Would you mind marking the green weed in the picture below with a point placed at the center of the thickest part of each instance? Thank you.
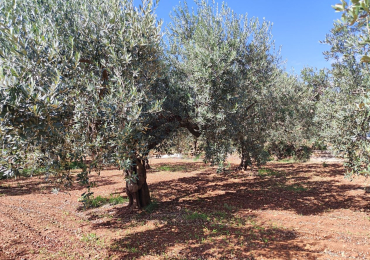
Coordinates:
(75, 165)
(152, 206)
(221, 214)
(172, 168)
(28, 172)
(228, 207)
(287, 160)
(90, 238)
(95, 202)
(197, 157)
(196, 215)
(293, 187)
(132, 250)
(269, 172)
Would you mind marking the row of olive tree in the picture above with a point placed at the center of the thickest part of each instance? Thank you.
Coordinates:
(94, 81)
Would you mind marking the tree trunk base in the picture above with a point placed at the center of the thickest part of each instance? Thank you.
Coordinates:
(144, 196)
(137, 189)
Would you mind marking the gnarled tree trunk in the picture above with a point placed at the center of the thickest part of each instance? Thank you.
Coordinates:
(136, 186)
(245, 160)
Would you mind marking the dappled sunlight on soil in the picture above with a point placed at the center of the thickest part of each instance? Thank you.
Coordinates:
(282, 211)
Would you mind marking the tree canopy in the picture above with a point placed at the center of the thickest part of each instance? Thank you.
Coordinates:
(342, 113)
(96, 82)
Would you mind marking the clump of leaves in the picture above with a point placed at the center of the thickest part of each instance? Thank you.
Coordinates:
(283, 150)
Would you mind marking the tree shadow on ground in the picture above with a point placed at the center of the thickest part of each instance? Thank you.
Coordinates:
(174, 232)
(40, 185)
(287, 190)
(205, 216)
(203, 239)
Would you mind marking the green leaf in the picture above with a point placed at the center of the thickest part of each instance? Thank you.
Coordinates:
(338, 7)
(14, 73)
(354, 14)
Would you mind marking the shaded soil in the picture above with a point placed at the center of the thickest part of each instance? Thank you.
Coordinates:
(285, 211)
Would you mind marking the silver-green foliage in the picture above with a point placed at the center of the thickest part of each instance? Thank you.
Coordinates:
(76, 79)
(343, 111)
(91, 79)
(228, 66)
(290, 114)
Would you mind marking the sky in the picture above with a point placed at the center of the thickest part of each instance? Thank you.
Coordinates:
(298, 26)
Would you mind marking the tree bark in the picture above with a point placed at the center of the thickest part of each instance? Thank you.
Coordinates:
(243, 164)
(136, 186)
(144, 195)
(245, 160)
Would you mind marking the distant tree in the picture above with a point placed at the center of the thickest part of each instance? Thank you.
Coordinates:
(291, 118)
(237, 90)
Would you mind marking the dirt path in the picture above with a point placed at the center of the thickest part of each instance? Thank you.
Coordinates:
(285, 211)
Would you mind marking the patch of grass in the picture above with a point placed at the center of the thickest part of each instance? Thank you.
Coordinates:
(197, 157)
(196, 215)
(152, 206)
(221, 214)
(264, 171)
(228, 207)
(28, 172)
(287, 160)
(293, 187)
(96, 202)
(240, 222)
(172, 168)
(269, 172)
(92, 239)
(114, 200)
(132, 250)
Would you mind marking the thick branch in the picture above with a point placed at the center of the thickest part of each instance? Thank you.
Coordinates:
(193, 128)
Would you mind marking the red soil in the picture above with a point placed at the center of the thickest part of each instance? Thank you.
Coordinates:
(298, 211)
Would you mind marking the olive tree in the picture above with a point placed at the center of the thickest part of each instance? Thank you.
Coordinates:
(342, 107)
(78, 81)
(290, 114)
(228, 65)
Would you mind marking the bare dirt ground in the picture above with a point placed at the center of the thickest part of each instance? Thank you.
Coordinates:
(292, 211)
